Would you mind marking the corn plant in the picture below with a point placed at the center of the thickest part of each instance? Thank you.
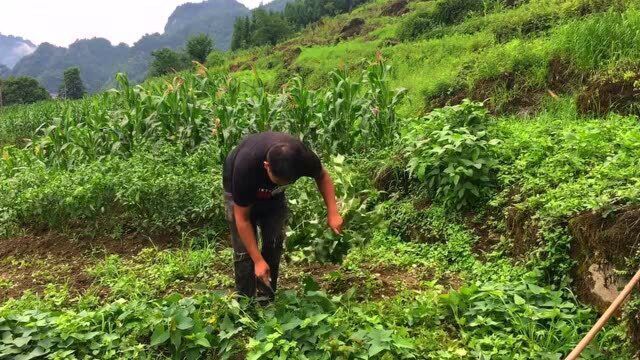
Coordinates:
(356, 112)
(382, 126)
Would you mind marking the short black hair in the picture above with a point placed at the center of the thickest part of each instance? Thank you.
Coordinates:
(286, 161)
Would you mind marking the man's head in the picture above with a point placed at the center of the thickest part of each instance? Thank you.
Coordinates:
(283, 163)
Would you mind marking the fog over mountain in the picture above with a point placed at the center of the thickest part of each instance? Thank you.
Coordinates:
(13, 48)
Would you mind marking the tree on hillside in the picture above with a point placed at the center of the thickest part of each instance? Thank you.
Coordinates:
(72, 86)
(300, 13)
(241, 38)
(199, 46)
(236, 38)
(270, 28)
(21, 90)
(166, 61)
(263, 28)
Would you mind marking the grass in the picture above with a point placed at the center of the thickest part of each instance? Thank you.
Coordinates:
(442, 60)
(602, 40)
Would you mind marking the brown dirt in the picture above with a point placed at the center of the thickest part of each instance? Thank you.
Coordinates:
(391, 179)
(613, 237)
(291, 54)
(601, 245)
(384, 281)
(242, 65)
(487, 235)
(374, 282)
(524, 100)
(562, 76)
(523, 231)
(58, 245)
(292, 274)
(603, 94)
(353, 28)
(396, 8)
(31, 262)
(452, 97)
(394, 279)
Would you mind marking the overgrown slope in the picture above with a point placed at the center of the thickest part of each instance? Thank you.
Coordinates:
(473, 230)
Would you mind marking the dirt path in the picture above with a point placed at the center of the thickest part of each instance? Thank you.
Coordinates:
(31, 263)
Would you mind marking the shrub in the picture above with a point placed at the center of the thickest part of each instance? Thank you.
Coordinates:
(416, 25)
(445, 12)
(452, 153)
(215, 58)
(496, 317)
(21, 90)
(448, 12)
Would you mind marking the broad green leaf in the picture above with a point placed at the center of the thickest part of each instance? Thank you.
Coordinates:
(160, 335)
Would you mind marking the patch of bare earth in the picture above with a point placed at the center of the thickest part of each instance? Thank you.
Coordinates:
(517, 96)
(32, 262)
(601, 245)
(603, 94)
(353, 28)
(488, 236)
(396, 8)
(371, 281)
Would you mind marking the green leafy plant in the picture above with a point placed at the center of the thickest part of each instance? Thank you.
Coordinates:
(495, 318)
(452, 153)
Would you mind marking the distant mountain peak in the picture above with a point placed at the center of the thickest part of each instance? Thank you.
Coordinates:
(99, 60)
(14, 48)
(191, 12)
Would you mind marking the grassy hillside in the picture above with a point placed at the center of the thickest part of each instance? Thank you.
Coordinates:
(485, 159)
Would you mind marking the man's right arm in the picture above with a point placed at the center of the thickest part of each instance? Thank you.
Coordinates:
(248, 238)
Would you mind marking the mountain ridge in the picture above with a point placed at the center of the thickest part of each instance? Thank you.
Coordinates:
(213, 17)
(13, 48)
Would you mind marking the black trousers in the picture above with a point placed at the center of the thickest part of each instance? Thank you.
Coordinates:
(269, 217)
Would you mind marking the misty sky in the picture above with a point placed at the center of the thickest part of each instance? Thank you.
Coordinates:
(61, 22)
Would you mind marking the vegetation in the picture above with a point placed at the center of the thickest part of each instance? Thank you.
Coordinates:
(198, 47)
(262, 28)
(72, 86)
(21, 90)
(99, 60)
(270, 28)
(301, 13)
(166, 61)
(477, 194)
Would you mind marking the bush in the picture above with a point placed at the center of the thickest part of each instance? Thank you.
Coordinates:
(497, 317)
(215, 58)
(415, 26)
(448, 12)
(445, 12)
(452, 154)
(21, 90)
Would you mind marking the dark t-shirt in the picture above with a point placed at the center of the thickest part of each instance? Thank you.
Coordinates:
(244, 175)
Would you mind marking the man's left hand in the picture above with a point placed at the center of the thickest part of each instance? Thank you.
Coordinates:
(335, 222)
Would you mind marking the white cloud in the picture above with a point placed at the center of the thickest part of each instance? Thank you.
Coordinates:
(23, 50)
(61, 22)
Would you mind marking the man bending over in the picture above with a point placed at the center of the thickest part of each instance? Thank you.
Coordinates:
(255, 175)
